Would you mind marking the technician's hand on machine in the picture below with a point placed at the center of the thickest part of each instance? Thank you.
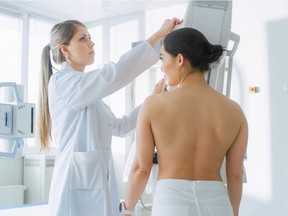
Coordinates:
(166, 28)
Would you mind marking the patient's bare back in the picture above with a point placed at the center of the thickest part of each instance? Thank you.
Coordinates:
(193, 128)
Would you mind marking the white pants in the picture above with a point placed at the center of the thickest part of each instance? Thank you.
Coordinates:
(191, 198)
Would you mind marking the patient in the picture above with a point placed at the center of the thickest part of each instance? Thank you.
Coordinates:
(193, 128)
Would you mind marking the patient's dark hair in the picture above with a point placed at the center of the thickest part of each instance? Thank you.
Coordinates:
(194, 46)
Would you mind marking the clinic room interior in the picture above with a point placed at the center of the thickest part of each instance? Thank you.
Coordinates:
(256, 78)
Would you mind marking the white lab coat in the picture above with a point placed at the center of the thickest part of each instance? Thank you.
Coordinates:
(83, 182)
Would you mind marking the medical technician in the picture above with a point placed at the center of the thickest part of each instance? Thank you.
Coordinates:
(193, 128)
(73, 114)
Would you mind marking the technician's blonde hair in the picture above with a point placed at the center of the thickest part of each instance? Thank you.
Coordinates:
(61, 34)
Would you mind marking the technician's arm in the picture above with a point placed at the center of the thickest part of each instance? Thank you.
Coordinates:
(127, 124)
(234, 167)
(81, 89)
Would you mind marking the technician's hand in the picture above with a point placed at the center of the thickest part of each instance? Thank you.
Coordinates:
(165, 29)
(167, 26)
(160, 87)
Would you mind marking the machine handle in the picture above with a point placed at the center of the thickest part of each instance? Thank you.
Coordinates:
(236, 39)
(18, 143)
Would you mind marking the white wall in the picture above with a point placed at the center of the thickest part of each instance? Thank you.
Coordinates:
(261, 61)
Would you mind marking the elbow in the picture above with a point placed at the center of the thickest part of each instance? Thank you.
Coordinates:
(235, 175)
(141, 172)
(237, 178)
(144, 175)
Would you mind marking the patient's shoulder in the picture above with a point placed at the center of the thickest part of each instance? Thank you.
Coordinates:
(236, 110)
(154, 103)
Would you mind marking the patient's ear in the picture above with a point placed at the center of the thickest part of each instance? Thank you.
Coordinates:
(180, 59)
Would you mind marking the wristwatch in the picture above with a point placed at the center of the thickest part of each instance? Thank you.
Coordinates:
(123, 210)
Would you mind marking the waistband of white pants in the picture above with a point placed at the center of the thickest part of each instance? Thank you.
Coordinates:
(200, 185)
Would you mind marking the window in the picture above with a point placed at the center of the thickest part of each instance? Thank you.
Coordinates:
(10, 48)
(96, 34)
(121, 42)
(38, 38)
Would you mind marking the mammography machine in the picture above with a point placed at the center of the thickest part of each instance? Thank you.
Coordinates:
(16, 120)
(213, 19)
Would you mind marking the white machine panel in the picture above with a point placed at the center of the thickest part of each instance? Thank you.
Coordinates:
(23, 120)
(16, 120)
(6, 127)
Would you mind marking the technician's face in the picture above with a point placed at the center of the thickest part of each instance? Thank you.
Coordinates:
(169, 67)
(80, 49)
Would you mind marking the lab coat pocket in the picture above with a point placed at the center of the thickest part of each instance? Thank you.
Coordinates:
(170, 210)
(220, 211)
(87, 170)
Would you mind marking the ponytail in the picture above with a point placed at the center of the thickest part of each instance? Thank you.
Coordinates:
(44, 123)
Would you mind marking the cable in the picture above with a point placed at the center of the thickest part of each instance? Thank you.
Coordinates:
(145, 207)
